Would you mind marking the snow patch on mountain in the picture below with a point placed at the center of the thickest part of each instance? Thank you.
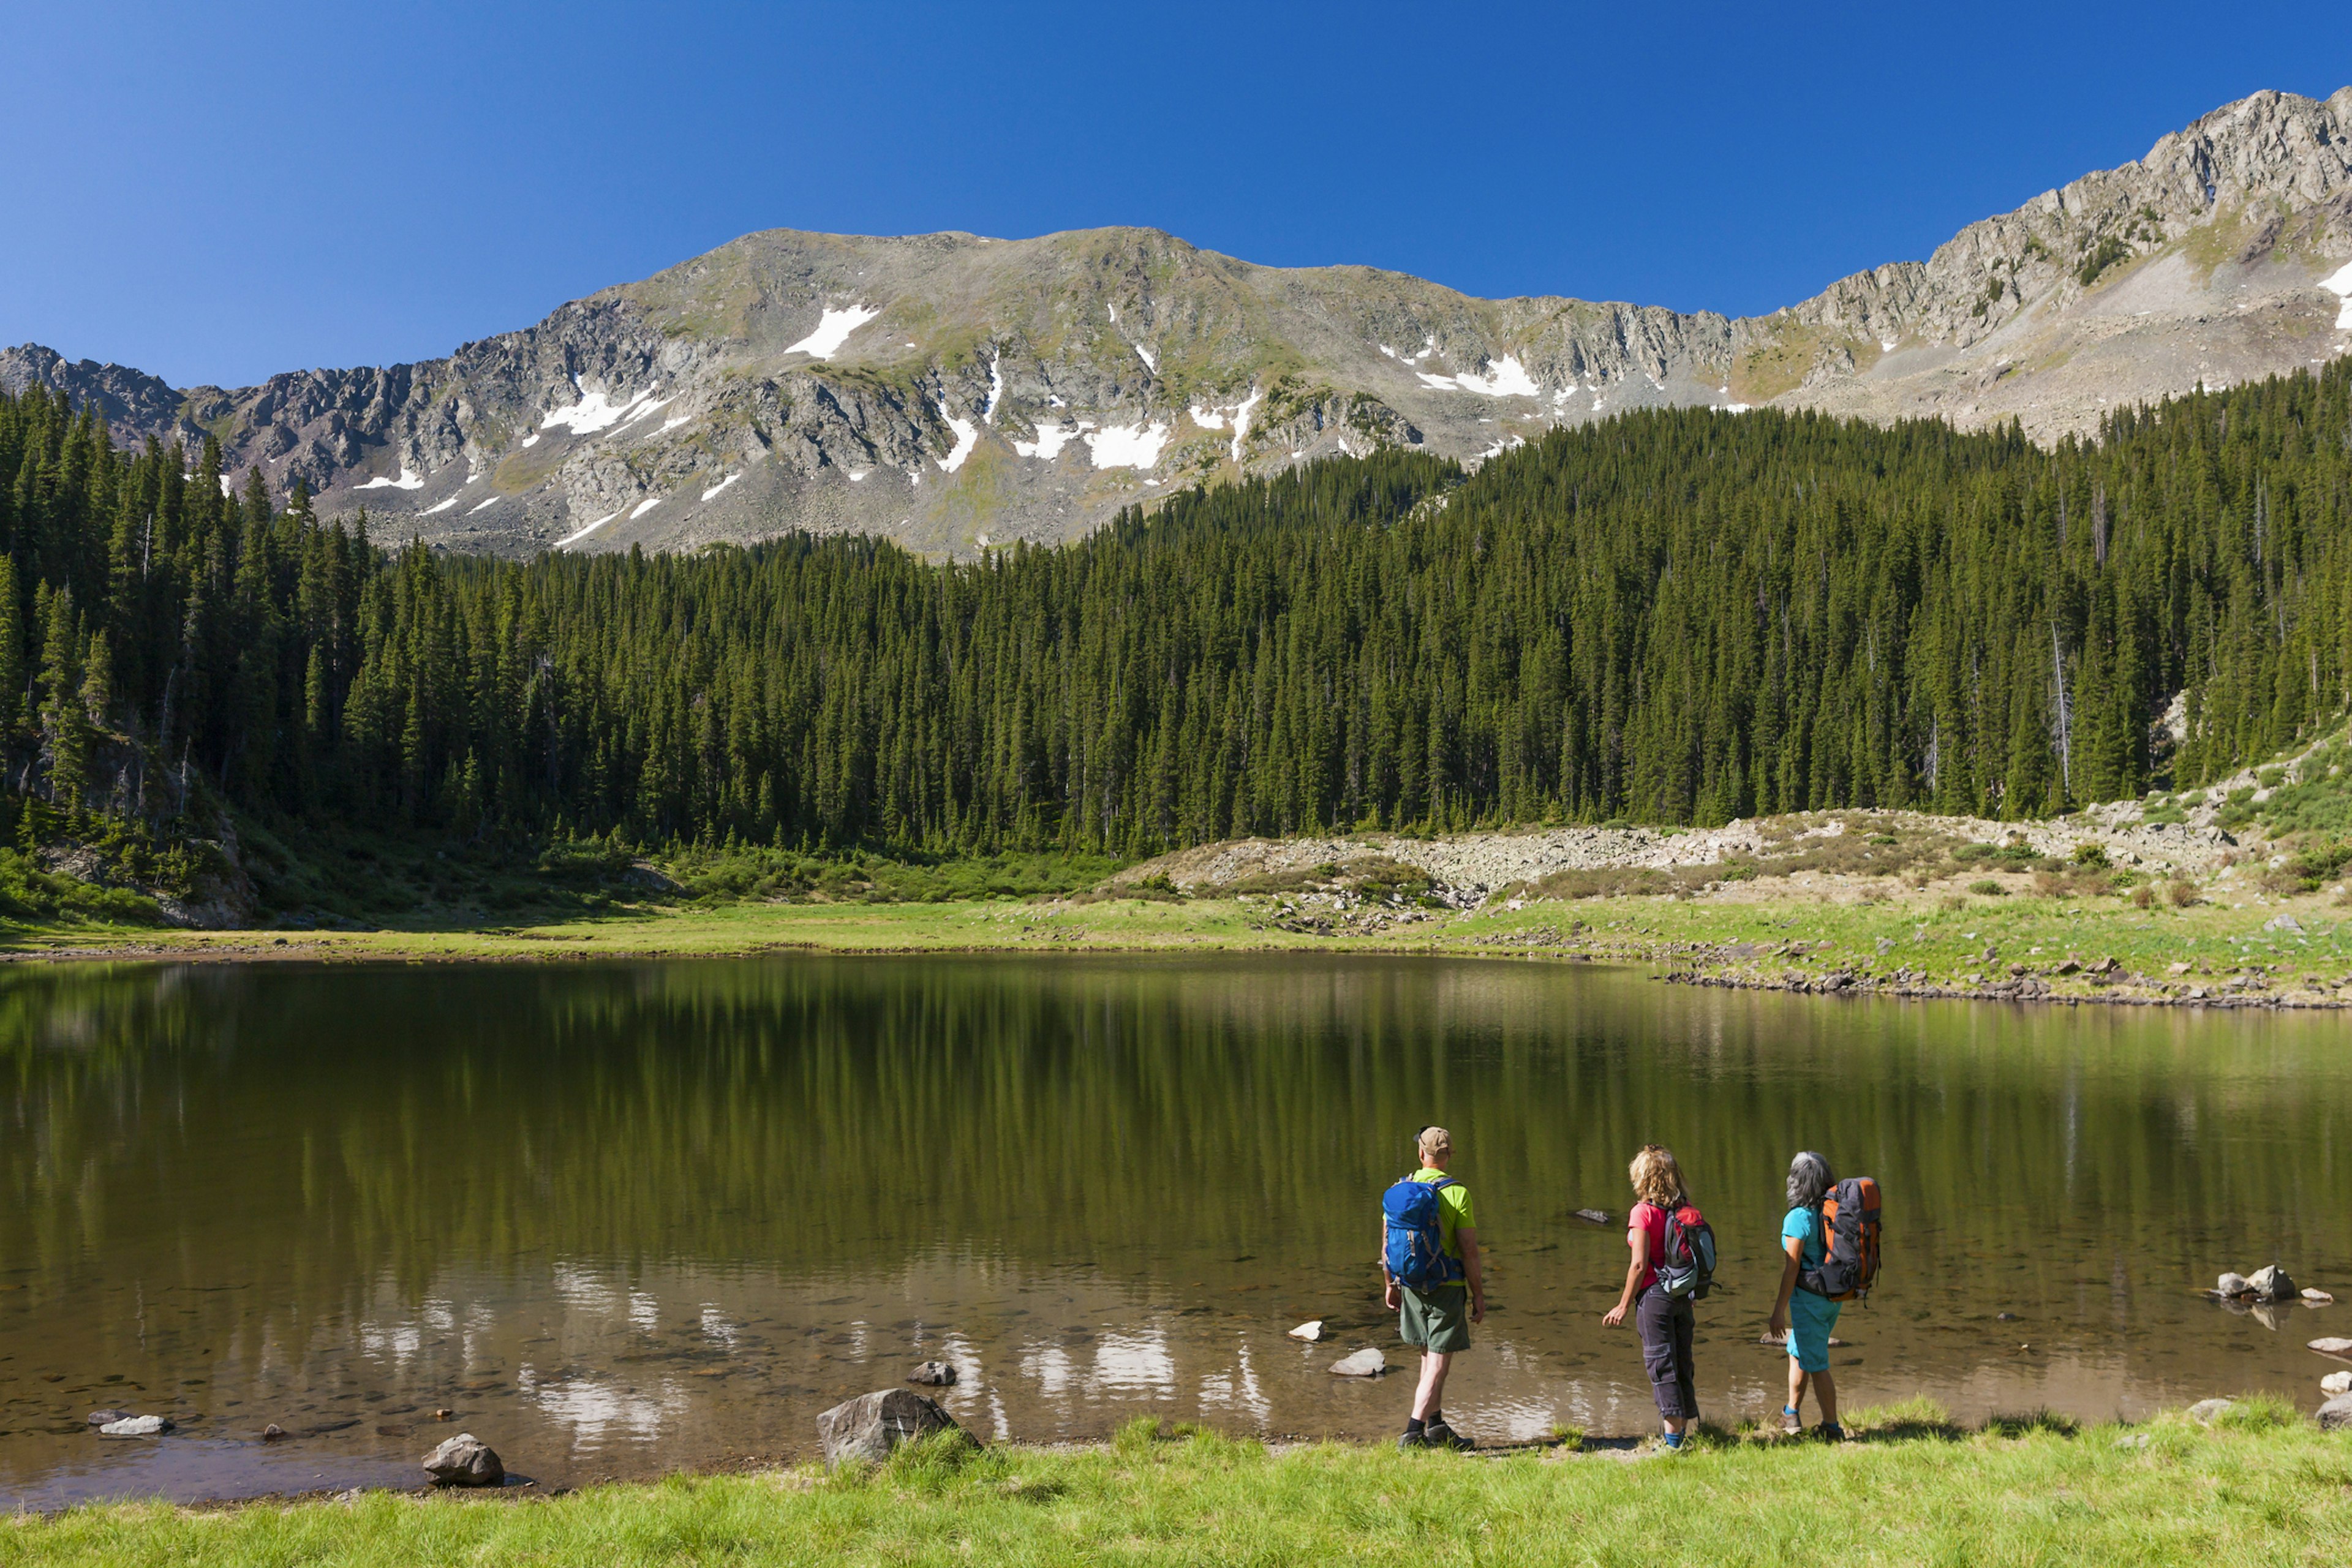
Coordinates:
(1050, 439)
(967, 437)
(1242, 420)
(569, 540)
(596, 411)
(1126, 445)
(2340, 285)
(833, 326)
(407, 481)
(721, 485)
(1507, 378)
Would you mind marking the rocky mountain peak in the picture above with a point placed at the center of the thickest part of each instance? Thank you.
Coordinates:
(956, 391)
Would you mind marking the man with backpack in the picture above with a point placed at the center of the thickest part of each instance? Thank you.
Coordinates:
(1429, 1261)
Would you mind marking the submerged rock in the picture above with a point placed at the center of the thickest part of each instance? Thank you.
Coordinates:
(1366, 1363)
(136, 1426)
(108, 1417)
(1594, 1217)
(273, 1433)
(465, 1460)
(870, 1426)
(933, 1374)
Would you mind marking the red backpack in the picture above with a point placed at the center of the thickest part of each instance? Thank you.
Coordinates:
(1685, 1266)
(1849, 1220)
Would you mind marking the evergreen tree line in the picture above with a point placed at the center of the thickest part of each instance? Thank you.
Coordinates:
(1673, 616)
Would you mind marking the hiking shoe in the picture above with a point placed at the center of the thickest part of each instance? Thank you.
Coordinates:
(1412, 1440)
(1444, 1436)
(1829, 1432)
(1790, 1422)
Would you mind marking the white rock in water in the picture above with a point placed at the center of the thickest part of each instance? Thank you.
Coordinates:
(2332, 1346)
(1365, 1363)
(2208, 1410)
(2317, 1298)
(1309, 1332)
(136, 1426)
(2337, 1382)
(2232, 1285)
(2271, 1283)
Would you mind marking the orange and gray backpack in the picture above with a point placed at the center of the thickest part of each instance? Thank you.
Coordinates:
(1850, 1223)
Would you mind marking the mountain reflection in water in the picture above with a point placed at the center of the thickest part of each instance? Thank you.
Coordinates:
(626, 1219)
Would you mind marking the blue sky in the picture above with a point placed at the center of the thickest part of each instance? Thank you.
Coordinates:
(215, 191)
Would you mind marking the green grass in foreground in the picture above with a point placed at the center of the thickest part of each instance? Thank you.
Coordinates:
(2265, 1487)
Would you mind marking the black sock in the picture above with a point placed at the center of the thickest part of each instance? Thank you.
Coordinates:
(1414, 1426)
(1435, 1418)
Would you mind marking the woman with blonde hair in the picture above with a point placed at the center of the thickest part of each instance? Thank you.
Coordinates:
(1665, 1322)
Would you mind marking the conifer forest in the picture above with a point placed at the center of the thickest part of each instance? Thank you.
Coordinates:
(1670, 617)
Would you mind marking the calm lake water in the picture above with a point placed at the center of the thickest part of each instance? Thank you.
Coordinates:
(633, 1218)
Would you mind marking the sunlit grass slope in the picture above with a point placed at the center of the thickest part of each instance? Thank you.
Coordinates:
(2262, 1487)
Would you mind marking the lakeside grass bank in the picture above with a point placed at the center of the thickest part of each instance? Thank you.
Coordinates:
(1789, 934)
(2263, 1485)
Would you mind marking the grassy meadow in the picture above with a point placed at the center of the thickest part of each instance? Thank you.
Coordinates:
(2262, 1486)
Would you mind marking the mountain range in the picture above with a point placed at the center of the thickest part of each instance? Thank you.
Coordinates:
(954, 392)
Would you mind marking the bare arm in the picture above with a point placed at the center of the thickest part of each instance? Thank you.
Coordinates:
(1389, 1295)
(1473, 1271)
(1638, 1244)
(1794, 1246)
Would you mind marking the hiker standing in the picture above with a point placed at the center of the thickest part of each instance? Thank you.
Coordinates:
(1669, 1269)
(1429, 1261)
(1807, 1315)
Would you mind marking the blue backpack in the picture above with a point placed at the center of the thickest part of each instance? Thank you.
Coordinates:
(1416, 1254)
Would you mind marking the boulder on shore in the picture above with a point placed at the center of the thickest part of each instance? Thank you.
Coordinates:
(2336, 1414)
(465, 1460)
(1366, 1363)
(933, 1374)
(870, 1426)
(2269, 1283)
(2337, 1382)
(2208, 1411)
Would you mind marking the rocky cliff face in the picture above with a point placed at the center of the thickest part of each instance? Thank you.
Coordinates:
(954, 392)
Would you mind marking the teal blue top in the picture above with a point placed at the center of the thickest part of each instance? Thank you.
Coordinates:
(1807, 1223)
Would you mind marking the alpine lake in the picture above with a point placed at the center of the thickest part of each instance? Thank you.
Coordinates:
(621, 1220)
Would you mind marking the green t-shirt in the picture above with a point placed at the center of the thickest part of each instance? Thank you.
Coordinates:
(1453, 1211)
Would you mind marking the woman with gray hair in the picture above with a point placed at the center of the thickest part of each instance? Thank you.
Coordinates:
(1807, 1318)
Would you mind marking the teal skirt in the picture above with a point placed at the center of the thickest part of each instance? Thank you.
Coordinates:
(1810, 1318)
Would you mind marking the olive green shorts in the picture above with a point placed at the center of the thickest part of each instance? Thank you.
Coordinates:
(1437, 1319)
